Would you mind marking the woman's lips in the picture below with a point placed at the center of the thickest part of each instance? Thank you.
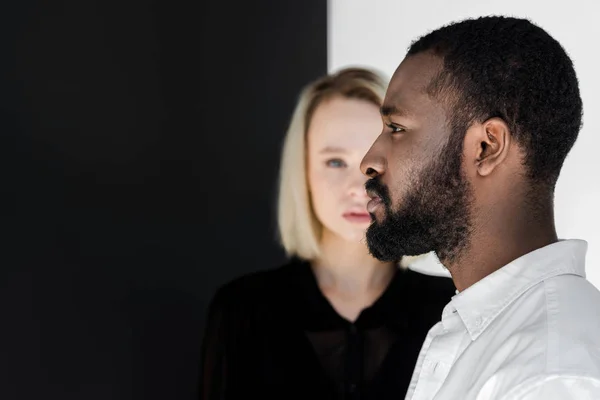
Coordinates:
(358, 217)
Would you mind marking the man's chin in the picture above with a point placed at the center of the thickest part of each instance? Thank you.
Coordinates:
(380, 244)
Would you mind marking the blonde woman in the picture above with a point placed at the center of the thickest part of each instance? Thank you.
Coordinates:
(333, 323)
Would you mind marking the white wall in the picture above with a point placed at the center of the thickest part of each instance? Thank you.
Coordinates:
(376, 33)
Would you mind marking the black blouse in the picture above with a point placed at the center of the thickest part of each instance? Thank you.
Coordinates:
(273, 333)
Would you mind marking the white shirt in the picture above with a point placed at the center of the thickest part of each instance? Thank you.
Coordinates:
(428, 264)
(530, 330)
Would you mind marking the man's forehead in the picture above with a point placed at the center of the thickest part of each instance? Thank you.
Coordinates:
(416, 71)
(411, 79)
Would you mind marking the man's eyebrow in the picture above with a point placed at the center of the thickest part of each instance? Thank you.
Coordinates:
(387, 111)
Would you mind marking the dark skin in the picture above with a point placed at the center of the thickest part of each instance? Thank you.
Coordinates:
(504, 224)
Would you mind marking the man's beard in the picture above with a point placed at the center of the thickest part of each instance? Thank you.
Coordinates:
(434, 215)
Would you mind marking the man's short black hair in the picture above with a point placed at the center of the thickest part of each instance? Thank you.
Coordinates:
(512, 69)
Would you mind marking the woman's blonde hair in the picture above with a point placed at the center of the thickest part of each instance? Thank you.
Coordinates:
(299, 228)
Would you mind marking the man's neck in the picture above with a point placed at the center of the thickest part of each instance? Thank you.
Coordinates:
(498, 239)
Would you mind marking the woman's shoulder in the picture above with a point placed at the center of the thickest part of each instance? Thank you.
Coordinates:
(261, 286)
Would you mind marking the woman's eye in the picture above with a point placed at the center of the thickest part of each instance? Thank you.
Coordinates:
(335, 163)
(395, 129)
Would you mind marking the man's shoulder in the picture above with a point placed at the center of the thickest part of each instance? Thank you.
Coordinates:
(570, 292)
(572, 311)
(545, 387)
(549, 337)
(565, 307)
(560, 319)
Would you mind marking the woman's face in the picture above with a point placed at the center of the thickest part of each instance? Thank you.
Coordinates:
(340, 134)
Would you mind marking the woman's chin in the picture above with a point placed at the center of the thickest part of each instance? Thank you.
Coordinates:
(357, 236)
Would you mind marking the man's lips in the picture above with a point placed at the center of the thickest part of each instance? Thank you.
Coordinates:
(373, 204)
(378, 193)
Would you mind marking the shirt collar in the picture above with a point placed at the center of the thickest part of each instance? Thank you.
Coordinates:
(482, 302)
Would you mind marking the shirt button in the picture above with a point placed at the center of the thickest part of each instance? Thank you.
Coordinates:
(478, 321)
(352, 388)
(352, 328)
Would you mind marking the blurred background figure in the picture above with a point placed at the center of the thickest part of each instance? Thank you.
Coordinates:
(333, 322)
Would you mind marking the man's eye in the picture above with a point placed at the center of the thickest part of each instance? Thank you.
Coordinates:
(395, 129)
(335, 163)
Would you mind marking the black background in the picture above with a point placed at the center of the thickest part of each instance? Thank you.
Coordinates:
(139, 151)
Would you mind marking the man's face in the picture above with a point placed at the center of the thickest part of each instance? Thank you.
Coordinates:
(421, 199)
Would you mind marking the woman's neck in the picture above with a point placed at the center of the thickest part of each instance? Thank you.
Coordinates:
(348, 268)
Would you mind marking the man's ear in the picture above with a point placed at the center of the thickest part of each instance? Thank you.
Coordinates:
(492, 141)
